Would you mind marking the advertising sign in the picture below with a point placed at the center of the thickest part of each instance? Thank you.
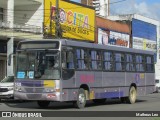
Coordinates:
(144, 44)
(143, 29)
(76, 21)
(113, 38)
(102, 37)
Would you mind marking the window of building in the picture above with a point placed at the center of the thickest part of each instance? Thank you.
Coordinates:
(119, 62)
(107, 61)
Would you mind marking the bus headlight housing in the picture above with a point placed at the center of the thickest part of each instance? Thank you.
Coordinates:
(49, 90)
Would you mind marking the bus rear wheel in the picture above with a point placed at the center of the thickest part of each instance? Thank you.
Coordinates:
(43, 104)
(132, 95)
(81, 99)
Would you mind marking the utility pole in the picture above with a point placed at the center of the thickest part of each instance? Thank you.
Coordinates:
(58, 30)
(108, 10)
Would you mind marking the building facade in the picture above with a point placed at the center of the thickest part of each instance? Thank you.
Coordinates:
(19, 20)
(101, 6)
(112, 33)
(144, 35)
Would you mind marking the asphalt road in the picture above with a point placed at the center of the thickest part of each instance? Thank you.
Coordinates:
(144, 103)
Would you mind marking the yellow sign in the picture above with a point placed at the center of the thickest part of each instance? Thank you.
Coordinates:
(76, 21)
(49, 83)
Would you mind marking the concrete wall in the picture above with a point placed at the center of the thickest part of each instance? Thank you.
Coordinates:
(29, 15)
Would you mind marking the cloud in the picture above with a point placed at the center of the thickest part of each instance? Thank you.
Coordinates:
(131, 6)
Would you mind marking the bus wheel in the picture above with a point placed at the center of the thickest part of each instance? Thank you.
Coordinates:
(43, 104)
(132, 95)
(99, 101)
(81, 99)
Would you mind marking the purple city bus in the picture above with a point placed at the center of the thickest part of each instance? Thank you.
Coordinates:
(66, 70)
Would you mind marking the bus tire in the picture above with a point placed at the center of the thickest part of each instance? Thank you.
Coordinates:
(99, 101)
(43, 104)
(132, 95)
(81, 99)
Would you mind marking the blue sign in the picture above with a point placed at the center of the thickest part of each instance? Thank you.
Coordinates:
(143, 29)
(21, 75)
(31, 74)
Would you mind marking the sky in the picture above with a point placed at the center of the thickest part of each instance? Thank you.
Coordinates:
(148, 8)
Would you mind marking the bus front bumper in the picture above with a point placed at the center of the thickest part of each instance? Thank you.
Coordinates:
(37, 96)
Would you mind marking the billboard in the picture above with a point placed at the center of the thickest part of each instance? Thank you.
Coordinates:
(144, 35)
(143, 29)
(76, 21)
(144, 44)
(113, 38)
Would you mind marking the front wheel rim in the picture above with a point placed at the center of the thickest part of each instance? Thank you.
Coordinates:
(81, 98)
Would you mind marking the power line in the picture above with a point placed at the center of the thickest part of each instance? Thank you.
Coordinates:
(60, 8)
(117, 1)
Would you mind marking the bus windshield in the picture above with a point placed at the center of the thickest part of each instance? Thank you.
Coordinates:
(38, 64)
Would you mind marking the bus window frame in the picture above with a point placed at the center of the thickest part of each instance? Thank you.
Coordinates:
(96, 60)
(122, 62)
(143, 63)
(112, 61)
(65, 70)
(152, 63)
(87, 50)
(133, 62)
(76, 62)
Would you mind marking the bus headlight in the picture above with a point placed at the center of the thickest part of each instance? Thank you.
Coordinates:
(49, 90)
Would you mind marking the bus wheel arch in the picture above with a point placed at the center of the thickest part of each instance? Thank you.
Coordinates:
(86, 89)
(132, 93)
(82, 96)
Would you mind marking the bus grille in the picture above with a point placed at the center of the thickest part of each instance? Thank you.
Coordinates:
(34, 90)
(34, 96)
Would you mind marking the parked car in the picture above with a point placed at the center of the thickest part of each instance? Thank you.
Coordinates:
(157, 85)
(6, 88)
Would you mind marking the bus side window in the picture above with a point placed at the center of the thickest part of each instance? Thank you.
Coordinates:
(67, 63)
(130, 66)
(70, 61)
(149, 64)
(64, 59)
(67, 60)
(140, 63)
(119, 62)
(81, 59)
(108, 61)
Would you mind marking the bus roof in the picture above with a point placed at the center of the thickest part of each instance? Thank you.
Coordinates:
(93, 45)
